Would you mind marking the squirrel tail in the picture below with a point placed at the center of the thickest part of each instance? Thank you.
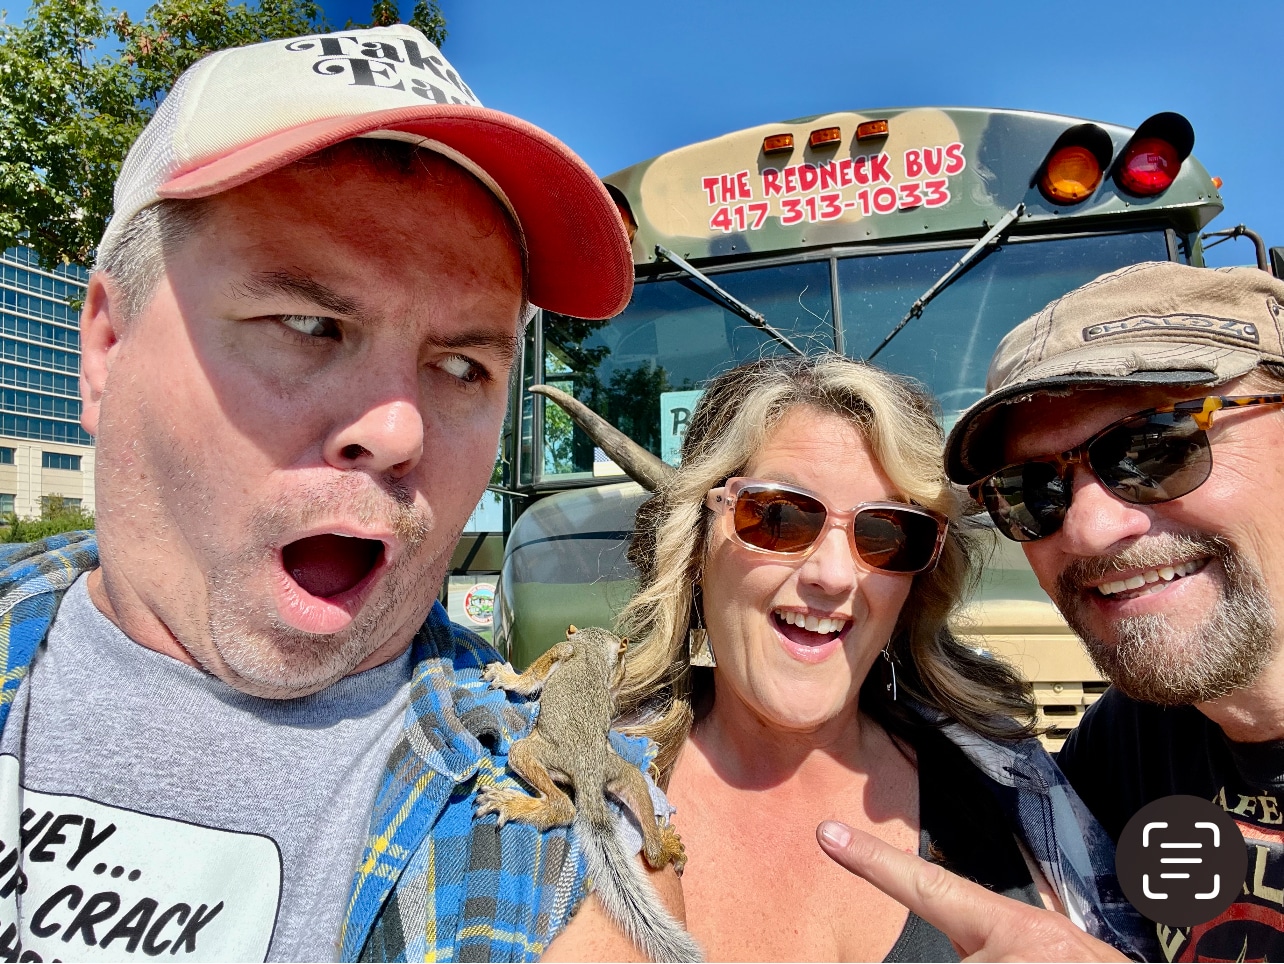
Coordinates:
(628, 897)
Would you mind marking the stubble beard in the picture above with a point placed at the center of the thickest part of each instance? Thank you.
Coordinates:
(1154, 659)
(277, 660)
(143, 474)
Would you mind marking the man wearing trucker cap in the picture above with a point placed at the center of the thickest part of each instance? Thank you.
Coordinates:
(1133, 441)
(236, 725)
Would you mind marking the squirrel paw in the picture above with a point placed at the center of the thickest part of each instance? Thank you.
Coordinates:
(500, 676)
(515, 805)
(668, 849)
(499, 800)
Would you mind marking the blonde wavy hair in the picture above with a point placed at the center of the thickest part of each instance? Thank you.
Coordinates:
(734, 418)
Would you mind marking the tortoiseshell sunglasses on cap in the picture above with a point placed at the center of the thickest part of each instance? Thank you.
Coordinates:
(1153, 456)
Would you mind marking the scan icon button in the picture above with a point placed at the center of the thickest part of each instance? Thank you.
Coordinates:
(1181, 860)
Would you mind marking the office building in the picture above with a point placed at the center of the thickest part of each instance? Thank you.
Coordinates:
(43, 450)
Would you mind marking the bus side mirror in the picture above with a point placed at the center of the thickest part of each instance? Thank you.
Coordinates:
(1277, 262)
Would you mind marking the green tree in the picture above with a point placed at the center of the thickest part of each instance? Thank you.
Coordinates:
(175, 34)
(56, 515)
(67, 118)
(426, 17)
(78, 83)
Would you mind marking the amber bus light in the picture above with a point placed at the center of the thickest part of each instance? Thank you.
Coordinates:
(825, 137)
(1071, 175)
(870, 129)
(777, 143)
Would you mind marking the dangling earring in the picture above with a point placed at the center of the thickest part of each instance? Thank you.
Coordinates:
(891, 687)
(699, 652)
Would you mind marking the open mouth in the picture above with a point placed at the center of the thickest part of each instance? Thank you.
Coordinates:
(1149, 581)
(808, 630)
(330, 565)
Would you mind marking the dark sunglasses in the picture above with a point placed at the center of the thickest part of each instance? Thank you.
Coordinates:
(1154, 456)
(785, 520)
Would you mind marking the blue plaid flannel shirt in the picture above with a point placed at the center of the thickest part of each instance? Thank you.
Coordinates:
(434, 882)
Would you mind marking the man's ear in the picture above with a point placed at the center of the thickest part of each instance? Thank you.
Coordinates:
(101, 321)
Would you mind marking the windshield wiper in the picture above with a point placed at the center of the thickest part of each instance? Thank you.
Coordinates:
(989, 241)
(705, 286)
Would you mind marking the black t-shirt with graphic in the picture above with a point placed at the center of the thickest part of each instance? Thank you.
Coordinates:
(1125, 754)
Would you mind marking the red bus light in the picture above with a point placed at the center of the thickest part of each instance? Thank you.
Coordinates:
(1148, 167)
(1070, 175)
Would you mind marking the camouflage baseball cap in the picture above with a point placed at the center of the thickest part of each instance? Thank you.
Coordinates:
(1157, 323)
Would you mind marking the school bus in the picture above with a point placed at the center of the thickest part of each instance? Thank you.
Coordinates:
(913, 237)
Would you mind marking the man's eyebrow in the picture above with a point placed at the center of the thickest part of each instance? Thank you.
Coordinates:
(506, 346)
(268, 283)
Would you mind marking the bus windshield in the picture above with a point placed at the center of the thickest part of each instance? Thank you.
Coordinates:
(644, 369)
(948, 349)
(672, 339)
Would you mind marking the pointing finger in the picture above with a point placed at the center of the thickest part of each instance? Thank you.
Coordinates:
(953, 905)
(981, 924)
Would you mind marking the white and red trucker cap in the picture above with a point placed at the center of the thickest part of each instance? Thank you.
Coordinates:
(241, 113)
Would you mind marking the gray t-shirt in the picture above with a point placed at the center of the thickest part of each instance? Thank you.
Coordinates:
(165, 813)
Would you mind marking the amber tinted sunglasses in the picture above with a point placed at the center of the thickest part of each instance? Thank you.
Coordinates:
(788, 521)
(1154, 456)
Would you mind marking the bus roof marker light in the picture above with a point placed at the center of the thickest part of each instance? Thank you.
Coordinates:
(871, 129)
(825, 137)
(1153, 156)
(777, 143)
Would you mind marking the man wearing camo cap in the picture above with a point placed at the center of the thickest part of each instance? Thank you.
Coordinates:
(236, 724)
(1133, 441)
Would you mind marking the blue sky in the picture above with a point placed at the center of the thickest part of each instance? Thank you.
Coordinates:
(621, 82)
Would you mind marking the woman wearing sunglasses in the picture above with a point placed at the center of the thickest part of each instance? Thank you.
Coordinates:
(791, 659)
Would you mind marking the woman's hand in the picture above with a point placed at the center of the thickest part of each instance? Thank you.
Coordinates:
(983, 926)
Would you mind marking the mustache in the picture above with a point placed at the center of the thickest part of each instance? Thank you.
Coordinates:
(1158, 550)
(390, 506)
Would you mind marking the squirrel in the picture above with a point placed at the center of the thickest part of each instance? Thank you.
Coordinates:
(576, 680)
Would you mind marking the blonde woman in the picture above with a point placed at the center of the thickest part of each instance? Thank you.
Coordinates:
(810, 549)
